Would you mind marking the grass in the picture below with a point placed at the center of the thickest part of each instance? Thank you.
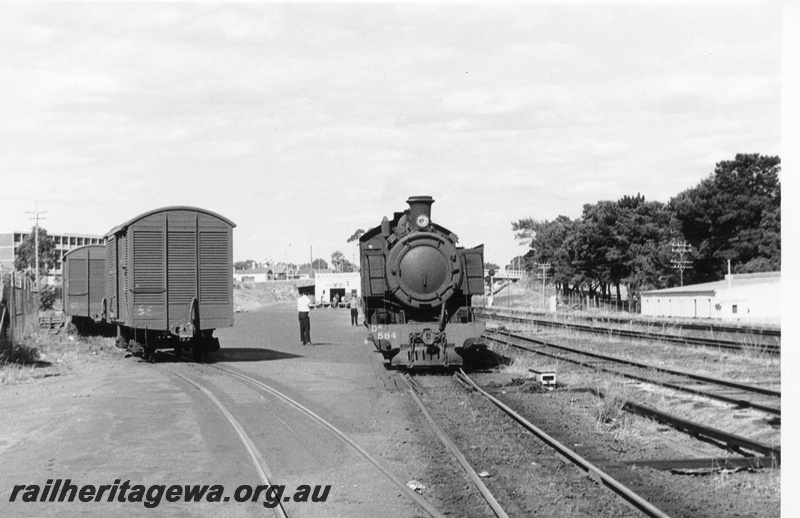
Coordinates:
(764, 483)
(52, 352)
(520, 365)
(608, 410)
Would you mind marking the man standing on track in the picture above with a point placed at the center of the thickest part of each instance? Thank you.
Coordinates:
(305, 323)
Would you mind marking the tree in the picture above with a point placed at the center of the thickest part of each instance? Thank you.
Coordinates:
(356, 235)
(551, 242)
(48, 296)
(337, 260)
(26, 252)
(244, 265)
(517, 263)
(348, 266)
(613, 243)
(319, 264)
(734, 214)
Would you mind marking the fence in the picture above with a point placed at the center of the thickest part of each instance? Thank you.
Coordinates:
(577, 301)
(19, 314)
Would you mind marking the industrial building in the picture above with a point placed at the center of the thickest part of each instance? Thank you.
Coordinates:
(344, 285)
(752, 297)
(9, 242)
(327, 284)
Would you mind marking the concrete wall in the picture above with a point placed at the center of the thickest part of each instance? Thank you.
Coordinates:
(679, 305)
(756, 302)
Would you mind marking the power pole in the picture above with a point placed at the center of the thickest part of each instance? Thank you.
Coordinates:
(681, 248)
(36, 217)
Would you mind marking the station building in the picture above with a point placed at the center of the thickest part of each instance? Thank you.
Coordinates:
(10, 242)
(752, 297)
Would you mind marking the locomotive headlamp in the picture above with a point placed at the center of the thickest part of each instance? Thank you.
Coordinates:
(423, 220)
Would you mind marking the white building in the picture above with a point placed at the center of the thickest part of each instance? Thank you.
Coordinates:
(253, 275)
(754, 297)
(345, 285)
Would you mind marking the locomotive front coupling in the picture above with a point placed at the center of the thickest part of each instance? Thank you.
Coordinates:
(431, 341)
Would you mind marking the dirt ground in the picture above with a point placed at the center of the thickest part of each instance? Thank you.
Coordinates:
(106, 417)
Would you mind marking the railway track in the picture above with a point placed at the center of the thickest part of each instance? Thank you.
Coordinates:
(716, 328)
(497, 509)
(592, 470)
(639, 335)
(746, 395)
(739, 394)
(255, 455)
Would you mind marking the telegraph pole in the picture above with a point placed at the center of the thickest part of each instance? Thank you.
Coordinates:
(36, 217)
(681, 248)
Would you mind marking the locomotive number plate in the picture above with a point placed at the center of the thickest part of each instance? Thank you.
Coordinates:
(383, 335)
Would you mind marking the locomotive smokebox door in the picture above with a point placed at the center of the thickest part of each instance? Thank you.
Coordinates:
(424, 269)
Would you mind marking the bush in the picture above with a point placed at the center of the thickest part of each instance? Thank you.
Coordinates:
(48, 296)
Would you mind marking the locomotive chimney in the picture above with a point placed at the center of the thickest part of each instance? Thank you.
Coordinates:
(420, 207)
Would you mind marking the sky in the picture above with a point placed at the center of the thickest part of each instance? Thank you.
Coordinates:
(305, 122)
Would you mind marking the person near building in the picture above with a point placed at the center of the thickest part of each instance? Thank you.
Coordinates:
(303, 307)
(354, 310)
(335, 302)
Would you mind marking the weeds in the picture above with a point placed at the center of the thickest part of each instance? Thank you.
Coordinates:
(765, 482)
(520, 365)
(614, 393)
(45, 351)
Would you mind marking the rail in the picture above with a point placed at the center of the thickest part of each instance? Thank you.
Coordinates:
(487, 495)
(731, 440)
(641, 335)
(593, 471)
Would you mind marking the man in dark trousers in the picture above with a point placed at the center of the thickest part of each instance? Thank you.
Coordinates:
(354, 310)
(303, 303)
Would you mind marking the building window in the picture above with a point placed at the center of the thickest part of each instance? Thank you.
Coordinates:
(734, 309)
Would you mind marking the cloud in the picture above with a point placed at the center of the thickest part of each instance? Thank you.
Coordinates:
(312, 119)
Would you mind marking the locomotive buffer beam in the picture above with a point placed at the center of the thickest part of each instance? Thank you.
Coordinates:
(423, 345)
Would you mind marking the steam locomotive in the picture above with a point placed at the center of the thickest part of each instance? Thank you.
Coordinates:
(417, 287)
